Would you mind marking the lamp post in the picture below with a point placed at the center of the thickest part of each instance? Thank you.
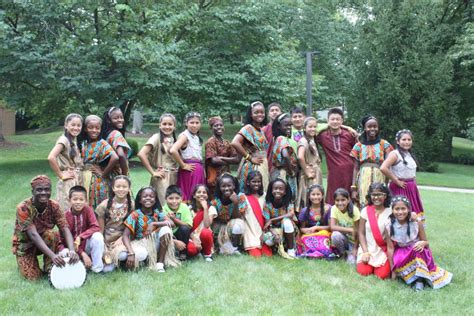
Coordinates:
(309, 81)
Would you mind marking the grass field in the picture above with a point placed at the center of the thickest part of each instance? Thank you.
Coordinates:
(235, 285)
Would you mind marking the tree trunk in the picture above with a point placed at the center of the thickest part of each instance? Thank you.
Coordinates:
(2, 138)
(231, 119)
(126, 108)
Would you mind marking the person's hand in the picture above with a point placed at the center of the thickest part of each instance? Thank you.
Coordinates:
(365, 257)
(149, 230)
(394, 275)
(203, 202)
(96, 170)
(159, 172)
(419, 246)
(354, 195)
(188, 167)
(179, 245)
(401, 184)
(256, 160)
(267, 224)
(234, 198)
(414, 216)
(171, 215)
(306, 230)
(58, 260)
(309, 172)
(86, 259)
(130, 261)
(67, 174)
(73, 257)
(77, 243)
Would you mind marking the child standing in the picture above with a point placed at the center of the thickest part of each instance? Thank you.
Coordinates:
(189, 144)
(219, 153)
(111, 214)
(85, 230)
(254, 220)
(148, 234)
(228, 227)
(297, 120)
(156, 158)
(309, 160)
(251, 144)
(113, 132)
(368, 153)
(274, 110)
(279, 212)
(202, 239)
(344, 224)
(181, 216)
(284, 159)
(372, 256)
(408, 252)
(96, 152)
(400, 166)
(65, 159)
(314, 220)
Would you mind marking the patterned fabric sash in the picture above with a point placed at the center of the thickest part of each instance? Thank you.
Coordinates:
(375, 228)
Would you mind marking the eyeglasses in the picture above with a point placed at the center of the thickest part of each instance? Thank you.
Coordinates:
(378, 194)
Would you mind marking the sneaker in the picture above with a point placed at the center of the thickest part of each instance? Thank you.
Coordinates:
(351, 259)
(160, 267)
(208, 258)
(292, 253)
(419, 286)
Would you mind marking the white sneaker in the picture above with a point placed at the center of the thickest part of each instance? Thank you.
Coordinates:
(292, 253)
(208, 258)
(160, 267)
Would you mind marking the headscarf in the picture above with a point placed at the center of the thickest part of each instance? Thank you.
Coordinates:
(40, 180)
(213, 120)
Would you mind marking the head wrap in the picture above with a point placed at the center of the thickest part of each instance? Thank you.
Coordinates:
(213, 120)
(40, 180)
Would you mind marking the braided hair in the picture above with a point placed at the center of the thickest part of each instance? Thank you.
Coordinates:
(395, 199)
(306, 122)
(401, 151)
(112, 196)
(191, 115)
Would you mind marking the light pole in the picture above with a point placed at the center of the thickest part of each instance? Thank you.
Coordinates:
(309, 81)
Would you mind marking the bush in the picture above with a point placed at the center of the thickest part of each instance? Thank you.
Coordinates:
(134, 145)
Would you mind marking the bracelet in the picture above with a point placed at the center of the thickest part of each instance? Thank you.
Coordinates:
(130, 254)
(354, 187)
(247, 156)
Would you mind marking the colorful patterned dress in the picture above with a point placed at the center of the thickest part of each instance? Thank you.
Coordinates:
(313, 166)
(215, 147)
(66, 162)
(370, 158)
(116, 140)
(255, 143)
(278, 170)
(411, 265)
(97, 186)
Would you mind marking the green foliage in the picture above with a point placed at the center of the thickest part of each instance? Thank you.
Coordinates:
(134, 145)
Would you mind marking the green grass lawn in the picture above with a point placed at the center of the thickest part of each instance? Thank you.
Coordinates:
(235, 285)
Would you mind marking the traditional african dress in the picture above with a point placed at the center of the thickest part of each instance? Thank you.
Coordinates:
(411, 265)
(256, 144)
(215, 147)
(313, 167)
(278, 162)
(160, 158)
(97, 187)
(370, 158)
(116, 140)
(66, 162)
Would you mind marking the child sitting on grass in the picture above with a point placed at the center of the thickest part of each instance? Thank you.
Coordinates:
(85, 230)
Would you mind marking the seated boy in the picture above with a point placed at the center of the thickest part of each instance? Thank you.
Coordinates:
(181, 216)
(85, 230)
(34, 235)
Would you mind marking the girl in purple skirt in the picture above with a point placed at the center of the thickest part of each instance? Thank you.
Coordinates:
(408, 250)
(187, 152)
(400, 166)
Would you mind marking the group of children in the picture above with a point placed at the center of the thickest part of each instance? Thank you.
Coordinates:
(194, 205)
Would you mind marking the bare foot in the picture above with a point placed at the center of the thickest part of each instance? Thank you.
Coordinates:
(86, 259)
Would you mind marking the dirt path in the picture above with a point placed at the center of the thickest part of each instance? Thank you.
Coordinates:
(445, 189)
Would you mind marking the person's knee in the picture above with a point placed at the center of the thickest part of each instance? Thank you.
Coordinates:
(288, 227)
(97, 239)
(364, 269)
(165, 230)
(383, 272)
(141, 253)
(238, 227)
(206, 234)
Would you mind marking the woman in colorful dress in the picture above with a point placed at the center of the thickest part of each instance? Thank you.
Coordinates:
(219, 154)
(252, 145)
(99, 161)
(309, 160)
(156, 158)
(66, 161)
(113, 132)
(369, 154)
(284, 159)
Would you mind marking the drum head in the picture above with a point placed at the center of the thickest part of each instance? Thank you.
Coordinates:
(70, 276)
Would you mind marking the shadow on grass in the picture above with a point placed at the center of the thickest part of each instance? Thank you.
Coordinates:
(23, 167)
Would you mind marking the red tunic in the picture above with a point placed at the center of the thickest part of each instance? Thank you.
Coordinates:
(339, 162)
